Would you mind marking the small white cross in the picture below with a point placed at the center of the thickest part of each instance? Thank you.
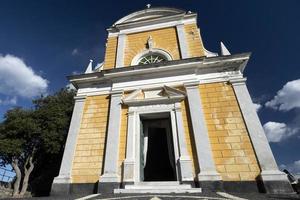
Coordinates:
(148, 5)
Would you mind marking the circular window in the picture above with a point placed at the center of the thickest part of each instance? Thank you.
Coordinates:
(152, 58)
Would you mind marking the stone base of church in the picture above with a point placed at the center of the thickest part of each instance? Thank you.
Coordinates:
(61, 185)
(64, 189)
(211, 186)
(275, 182)
(107, 187)
(241, 186)
(270, 187)
(60, 189)
(277, 187)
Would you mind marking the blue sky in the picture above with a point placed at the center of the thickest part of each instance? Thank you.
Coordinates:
(41, 42)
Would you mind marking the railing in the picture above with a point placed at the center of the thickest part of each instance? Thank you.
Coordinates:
(6, 175)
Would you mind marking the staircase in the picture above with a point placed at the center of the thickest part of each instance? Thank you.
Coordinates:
(158, 188)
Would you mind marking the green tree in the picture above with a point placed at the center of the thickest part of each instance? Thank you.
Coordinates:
(53, 113)
(27, 137)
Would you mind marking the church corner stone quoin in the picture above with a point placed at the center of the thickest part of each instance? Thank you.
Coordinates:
(162, 113)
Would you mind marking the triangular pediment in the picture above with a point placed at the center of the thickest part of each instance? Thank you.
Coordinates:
(165, 94)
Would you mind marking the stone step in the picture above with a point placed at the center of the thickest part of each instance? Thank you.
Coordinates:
(158, 183)
(157, 191)
(140, 187)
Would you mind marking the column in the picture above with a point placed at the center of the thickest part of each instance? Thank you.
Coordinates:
(61, 183)
(204, 153)
(274, 180)
(110, 174)
(185, 161)
(182, 41)
(120, 50)
(129, 161)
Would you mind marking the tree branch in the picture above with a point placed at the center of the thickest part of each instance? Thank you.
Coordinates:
(27, 172)
(15, 165)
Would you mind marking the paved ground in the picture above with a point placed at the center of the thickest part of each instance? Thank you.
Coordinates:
(204, 196)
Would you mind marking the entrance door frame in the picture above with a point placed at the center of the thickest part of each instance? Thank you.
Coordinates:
(164, 123)
(155, 110)
(131, 165)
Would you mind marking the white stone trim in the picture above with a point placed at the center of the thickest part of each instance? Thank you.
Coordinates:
(138, 57)
(138, 15)
(120, 50)
(131, 163)
(150, 27)
(110, 173)
(182, 41)
(172, 81)
(203, 69)
(151, 109)
(267, 162)
(204, 152)
(185, 161)
(173, 95)
(69, 152)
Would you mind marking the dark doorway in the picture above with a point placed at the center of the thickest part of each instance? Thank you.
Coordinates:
(160, 161)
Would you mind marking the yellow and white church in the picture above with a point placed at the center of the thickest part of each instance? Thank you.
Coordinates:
(162, 114)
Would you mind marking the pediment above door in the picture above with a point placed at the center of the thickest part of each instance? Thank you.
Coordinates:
(164, 95)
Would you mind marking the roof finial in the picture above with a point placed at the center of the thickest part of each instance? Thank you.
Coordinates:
(148, 5)
(224, 50)
(89, 68)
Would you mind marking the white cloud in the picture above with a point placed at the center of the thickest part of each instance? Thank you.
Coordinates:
(9, 101)
(75, 52)
(277, 132)
(292, 167)
(287, 98)
(75, 72)
(257, 106)
(18, 79)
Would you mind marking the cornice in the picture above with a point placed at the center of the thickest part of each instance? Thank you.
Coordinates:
(198, 65)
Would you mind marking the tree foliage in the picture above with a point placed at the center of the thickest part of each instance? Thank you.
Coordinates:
(29, 136)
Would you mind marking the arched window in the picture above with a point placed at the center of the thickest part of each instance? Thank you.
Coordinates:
(151, 58)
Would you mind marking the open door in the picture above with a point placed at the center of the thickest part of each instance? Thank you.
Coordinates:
(157, 160)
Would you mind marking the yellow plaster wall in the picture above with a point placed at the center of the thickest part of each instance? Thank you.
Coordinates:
(165, 39)
(110, 53)
(88, 159)
(194, 41)
(123, 138)
(189, 137)
(232, 149)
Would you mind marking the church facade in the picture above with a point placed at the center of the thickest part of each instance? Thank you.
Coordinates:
(163, 114)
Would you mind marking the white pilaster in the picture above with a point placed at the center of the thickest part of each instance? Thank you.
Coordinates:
(269, 169)
(112, 142)
(182, 41)
(204, 153)
(67, 161)
(185, 161)
(130, 161)
(120, 50)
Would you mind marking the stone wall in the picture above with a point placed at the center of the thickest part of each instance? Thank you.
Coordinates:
(194, 41)
(110, 53)
(189, 136)
(165, 39)
(123, 138)
(232, 149)
(88, 159)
